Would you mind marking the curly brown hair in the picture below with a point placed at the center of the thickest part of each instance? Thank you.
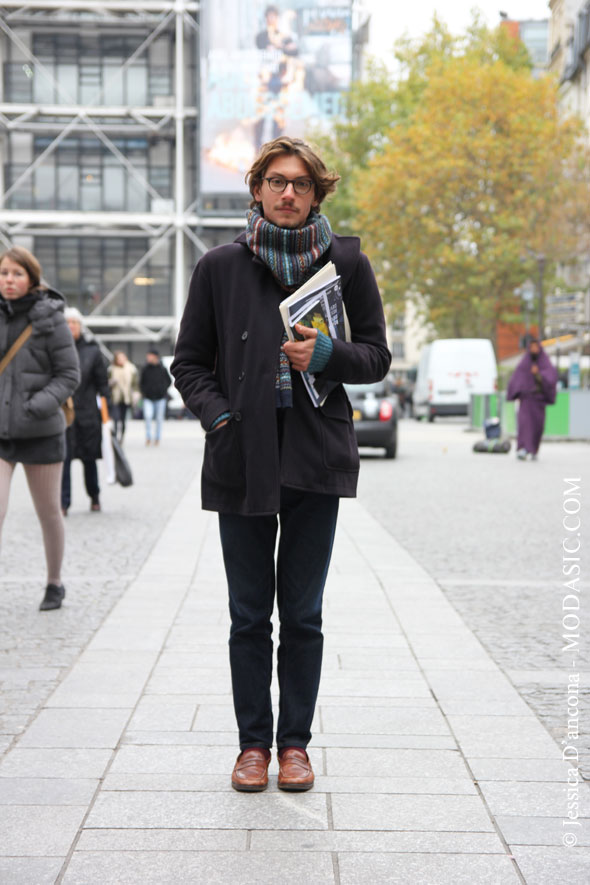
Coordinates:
(27, 261)
(324, 181)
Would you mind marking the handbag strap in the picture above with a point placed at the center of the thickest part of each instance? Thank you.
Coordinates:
(12, 351)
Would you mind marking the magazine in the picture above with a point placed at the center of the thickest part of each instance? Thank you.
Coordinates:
(317, 304)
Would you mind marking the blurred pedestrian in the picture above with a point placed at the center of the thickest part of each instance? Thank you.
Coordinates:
(123, 381)
(275, 466)
(84, 436)
(41, 374)
(534, 384)
(154, 384)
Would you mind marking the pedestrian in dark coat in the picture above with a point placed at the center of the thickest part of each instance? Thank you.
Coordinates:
(271, 457)
(154, 382)
(42, 374)
(534, 384)
(84, 436)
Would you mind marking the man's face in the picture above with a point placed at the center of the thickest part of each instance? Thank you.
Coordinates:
(287, 209)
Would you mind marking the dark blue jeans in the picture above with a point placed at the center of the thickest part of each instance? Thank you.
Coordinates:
(307, 527)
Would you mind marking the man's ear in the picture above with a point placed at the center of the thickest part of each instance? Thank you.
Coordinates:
(256, 193)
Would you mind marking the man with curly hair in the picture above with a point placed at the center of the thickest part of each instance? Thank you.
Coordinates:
(273, 463)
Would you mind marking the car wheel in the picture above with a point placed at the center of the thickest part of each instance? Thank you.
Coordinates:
(391, 449)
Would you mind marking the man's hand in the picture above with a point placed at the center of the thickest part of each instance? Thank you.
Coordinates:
(299, 353)
(535, 369)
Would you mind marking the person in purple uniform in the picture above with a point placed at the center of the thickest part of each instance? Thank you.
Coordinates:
(534, 383)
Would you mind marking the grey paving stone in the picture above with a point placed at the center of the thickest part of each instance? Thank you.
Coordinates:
(46, 791)
(88, 729)
(554, 866)
(189, 682)
(515, 706)
(391, 741)
(214, 868)
(181, 738)
(163, 840)
(535, 799)
(503, 736)
(209, 810)
(198, 783)
(519, 770)
(344, 684)
(540, 830)
(382, 720)
(150, 637)
(410, 812)
(402, 763)
(344, 640)
(186, 760)
(55, 763)
(399, 842)
(40, 830)
(164, 713)
(424, 703)
(374, 869)
(378, 784)
(29, 870)
(190, 660)
(431, 663)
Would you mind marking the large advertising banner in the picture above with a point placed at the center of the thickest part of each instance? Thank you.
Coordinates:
(267, 70)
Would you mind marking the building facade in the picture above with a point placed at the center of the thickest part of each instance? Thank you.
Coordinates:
(100, 174)
(569, 53)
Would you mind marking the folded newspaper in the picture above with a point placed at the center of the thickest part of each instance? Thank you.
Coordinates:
(317, 304)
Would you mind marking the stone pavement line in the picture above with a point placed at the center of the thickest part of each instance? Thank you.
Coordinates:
(50, 777)
(129, 780)
(516, 764)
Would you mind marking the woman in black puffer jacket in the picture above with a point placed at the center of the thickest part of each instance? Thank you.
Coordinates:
(39, 378)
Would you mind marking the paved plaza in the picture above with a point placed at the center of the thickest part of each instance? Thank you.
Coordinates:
(118, 734)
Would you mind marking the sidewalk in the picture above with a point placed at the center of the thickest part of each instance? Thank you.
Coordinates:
(429, 766)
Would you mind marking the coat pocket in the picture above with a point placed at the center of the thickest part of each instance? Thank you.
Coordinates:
(339, 447)
(222, 462)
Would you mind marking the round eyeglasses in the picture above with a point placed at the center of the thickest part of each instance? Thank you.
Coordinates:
(277, 184)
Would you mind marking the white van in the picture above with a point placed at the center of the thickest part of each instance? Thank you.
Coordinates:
(450, 370)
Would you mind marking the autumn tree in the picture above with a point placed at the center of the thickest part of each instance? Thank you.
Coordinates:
(456, 171)
(462, 196)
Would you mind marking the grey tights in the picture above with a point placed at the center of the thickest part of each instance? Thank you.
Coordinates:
(45, 486)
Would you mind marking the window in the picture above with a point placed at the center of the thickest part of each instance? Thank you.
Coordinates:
(86, 269)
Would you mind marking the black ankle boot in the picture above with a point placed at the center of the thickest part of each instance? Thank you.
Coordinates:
(54, 593)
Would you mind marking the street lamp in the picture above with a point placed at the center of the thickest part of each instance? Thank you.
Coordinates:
(527, 293)
(540, 259)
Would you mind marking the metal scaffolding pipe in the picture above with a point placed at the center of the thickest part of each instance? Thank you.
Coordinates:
(179, 198)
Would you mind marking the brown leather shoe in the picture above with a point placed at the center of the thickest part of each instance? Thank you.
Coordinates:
(250, 772)
(295, 771)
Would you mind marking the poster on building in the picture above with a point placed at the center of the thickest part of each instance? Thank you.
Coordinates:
(267, 70)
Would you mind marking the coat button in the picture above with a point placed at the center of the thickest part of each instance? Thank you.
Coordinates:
(244, 336)
(237, 416)
(241, 376)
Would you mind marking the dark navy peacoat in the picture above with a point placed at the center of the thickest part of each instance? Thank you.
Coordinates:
(226, 360)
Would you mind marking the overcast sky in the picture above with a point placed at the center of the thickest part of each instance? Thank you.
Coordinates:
(390, 19)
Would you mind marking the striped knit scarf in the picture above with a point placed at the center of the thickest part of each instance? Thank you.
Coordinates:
(292, 256)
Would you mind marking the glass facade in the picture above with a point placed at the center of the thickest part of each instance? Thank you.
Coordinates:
(124, 73)
(83, 174)
(87, 69)
(85, 269)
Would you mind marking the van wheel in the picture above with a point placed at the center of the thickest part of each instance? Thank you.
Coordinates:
(431, 417)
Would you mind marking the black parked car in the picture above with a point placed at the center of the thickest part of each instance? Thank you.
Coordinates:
(375, 410)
